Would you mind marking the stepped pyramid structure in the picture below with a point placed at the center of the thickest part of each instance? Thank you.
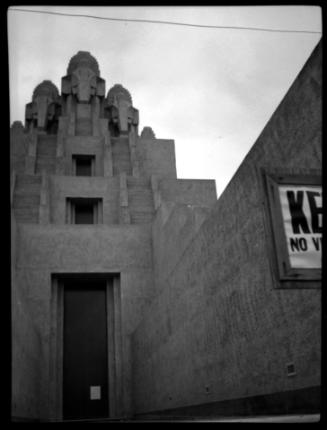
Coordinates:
(140, 296)
(85, 190)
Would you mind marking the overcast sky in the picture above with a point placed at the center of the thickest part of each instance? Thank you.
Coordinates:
(211, 90)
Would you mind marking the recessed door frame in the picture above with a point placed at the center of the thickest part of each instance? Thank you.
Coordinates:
(114, 344)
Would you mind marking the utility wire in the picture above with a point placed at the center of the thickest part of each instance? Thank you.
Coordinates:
(167, 22)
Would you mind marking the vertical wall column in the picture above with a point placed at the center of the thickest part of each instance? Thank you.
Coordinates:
(124, 215)
(71, 116)
(118, 346)
(30, 160)
(56, 351)
(107, 149)
(127, 375)
(44, 200)
(115, 350)
(132, 149)
(155, 191)
(95, 115)
(62, 132)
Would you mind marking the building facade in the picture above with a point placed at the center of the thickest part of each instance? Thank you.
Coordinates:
(137, 293)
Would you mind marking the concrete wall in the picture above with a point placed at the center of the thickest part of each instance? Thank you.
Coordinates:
(61, 187)
(18, 147)
(156, 157)
(25, 355)
(220, 329)
(86, 145)
(174, 227)
(43, 250)
(188, 191)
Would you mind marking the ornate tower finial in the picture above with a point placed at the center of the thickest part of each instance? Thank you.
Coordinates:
(17, 126)
(46, 88)
(147, 133)
(83, 79)
(121, 113)
(42, 113)
(83, 59)
(118, 92)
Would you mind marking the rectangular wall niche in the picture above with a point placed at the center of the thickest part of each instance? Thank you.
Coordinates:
(83, 165)
(295, 210)
(82, 210)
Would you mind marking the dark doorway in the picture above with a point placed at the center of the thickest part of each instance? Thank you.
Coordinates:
(85, 361)
(84, 210)
(83, 165)
(84, 213)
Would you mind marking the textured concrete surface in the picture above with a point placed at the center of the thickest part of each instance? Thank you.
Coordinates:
(220, 329)
(18, 147)
(87, 145)
(156, 157)
(25, 355)
(26, 199)
(174, 227)
(62, 187)
(188, 191)
(44, 250)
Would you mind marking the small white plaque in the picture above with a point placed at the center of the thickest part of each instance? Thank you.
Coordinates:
(95, 392)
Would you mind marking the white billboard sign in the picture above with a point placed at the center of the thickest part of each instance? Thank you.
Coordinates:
(302, 218)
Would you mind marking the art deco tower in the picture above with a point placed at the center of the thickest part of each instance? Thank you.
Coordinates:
(85, 190)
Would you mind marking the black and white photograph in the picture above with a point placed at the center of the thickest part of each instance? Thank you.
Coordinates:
(166, 213)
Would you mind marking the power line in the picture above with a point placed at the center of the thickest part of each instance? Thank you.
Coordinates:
(168, 22)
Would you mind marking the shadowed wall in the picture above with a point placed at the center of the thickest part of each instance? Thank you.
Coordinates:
(219, 328)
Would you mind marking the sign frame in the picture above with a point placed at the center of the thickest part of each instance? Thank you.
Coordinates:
(287, 274)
